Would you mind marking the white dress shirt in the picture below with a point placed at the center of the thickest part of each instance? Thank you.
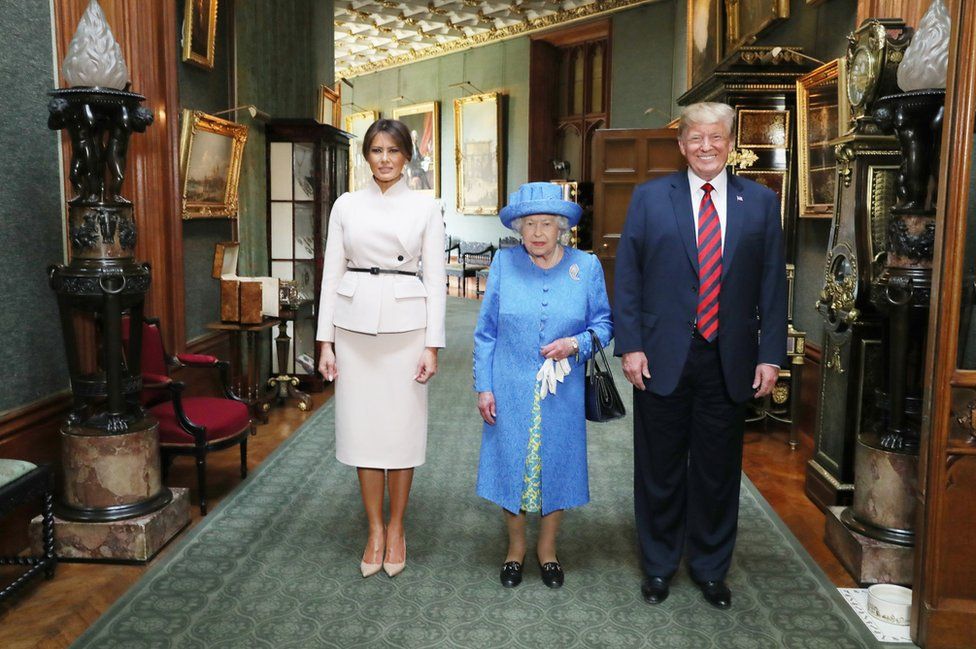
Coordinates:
(720, 185)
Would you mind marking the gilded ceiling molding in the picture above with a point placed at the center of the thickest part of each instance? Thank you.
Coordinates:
(477, 12)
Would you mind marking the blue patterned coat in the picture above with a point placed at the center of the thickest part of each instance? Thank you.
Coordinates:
(524, 309)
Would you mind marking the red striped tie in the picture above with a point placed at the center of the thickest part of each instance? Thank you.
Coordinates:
(709, 265)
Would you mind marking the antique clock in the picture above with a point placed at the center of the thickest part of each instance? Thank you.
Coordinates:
(875, 49)
(852, 357)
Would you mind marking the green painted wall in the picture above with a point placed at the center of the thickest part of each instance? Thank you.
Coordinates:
(501, 67)
(284, 52)
(32, 353)
(643, 77)
(209, 91)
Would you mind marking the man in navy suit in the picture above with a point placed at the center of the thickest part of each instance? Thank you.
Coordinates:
(700, 318)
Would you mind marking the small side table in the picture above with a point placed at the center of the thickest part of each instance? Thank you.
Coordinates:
(247, 365)
(284, 386)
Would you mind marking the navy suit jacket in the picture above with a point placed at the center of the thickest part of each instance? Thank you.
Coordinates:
(656, 282)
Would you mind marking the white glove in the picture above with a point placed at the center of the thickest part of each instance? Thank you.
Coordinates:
(549, 374)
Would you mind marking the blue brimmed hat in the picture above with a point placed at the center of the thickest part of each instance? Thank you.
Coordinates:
(539, 198)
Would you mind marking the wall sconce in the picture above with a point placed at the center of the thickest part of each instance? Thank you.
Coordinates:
(255, 112)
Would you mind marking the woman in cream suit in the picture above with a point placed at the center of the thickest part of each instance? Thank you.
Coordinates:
(380, 326)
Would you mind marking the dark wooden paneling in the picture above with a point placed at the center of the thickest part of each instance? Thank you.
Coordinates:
(944, 606)
(543, 80)
(147, 34)
(623, 159)
(908, 10)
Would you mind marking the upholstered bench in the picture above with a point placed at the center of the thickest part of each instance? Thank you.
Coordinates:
(19, 482)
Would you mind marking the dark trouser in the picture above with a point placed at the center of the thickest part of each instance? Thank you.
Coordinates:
(687, 466)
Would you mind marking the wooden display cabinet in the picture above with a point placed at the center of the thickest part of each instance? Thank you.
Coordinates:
(308, 168)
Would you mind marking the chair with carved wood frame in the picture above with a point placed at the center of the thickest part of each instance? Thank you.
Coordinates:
(472, 257)
(192, 426)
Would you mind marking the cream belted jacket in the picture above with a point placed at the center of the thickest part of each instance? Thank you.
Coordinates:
(395, 230)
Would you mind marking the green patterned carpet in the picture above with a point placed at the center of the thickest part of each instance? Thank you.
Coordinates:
(276, 564)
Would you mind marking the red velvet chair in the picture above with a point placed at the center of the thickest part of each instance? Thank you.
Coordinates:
(189, 425)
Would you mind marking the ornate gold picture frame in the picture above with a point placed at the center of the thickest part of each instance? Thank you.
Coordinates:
(822, 115)
(211, 150)
(704, 41)
(746, 19)
(423, 172)
(357, 123)
(478, 153)
(330, 104)
(199, 32)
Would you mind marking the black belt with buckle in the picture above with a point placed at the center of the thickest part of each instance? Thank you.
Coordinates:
(385, 271)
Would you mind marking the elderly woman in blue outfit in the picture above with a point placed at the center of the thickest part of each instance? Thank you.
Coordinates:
(530, 348)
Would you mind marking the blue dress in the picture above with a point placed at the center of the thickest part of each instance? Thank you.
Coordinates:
(524, 309)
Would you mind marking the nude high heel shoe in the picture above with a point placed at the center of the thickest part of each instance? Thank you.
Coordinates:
(394, 569)
(370, 569)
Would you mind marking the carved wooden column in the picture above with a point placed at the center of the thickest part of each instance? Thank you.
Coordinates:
(147, 33)
(944, 606)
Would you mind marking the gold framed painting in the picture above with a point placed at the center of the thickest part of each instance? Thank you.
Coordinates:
(423, 172)
(747, 19)
(822, 115)
(357, 123)
(704, 38)
(478, 149)
(330, 104)
(211, 150)
(199, 32)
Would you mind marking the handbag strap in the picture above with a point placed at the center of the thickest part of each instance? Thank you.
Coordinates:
(597, 347)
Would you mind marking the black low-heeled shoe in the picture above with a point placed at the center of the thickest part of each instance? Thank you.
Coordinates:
(552, 574)
(511, 574)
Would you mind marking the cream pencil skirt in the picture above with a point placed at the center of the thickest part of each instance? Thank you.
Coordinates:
(381, 412)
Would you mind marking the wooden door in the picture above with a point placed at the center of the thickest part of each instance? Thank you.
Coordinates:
(944, 605)
(623, 159)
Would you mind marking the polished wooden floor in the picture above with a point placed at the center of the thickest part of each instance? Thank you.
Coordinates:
(51, 614)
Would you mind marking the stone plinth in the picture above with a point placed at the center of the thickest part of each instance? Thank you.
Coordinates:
(869, 561)
(126, 540)
(109, 477)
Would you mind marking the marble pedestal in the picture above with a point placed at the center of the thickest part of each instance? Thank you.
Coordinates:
(135, 539)
(868, 560)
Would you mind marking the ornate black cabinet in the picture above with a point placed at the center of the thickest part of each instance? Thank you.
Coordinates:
(853, 362)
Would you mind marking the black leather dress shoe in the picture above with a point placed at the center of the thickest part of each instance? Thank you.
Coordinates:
(552, 574)
(716, 593)
(511, 574)
(655, 589)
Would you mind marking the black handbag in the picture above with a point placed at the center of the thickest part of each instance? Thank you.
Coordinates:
(603, 402)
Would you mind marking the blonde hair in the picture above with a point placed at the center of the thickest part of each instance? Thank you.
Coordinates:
(706, 112)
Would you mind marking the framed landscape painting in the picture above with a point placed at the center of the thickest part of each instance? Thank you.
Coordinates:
(423, 122)
(357, 123)
(211, 150)
(478, 153)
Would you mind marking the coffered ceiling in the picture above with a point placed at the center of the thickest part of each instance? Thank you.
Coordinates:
(375, 34)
